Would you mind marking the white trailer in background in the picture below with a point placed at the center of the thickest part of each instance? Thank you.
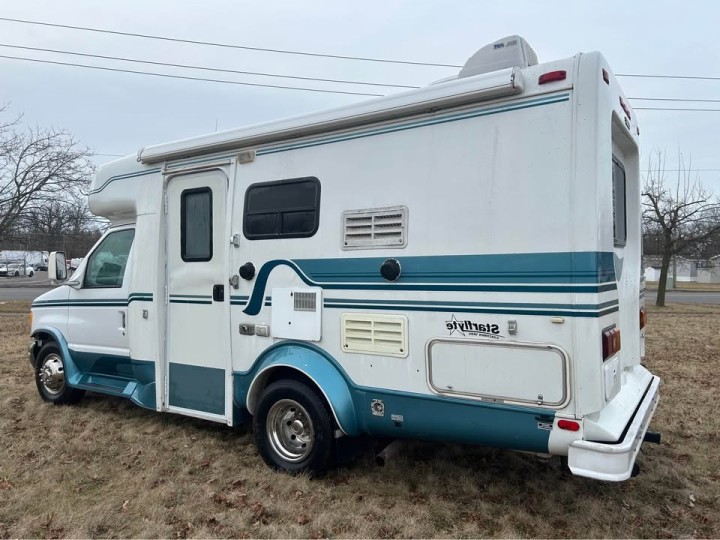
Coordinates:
(37, 259)
(454, 263)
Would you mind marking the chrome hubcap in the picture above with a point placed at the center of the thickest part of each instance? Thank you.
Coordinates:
(290, 430)
(52, 374)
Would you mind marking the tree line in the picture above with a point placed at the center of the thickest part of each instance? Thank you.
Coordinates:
(44, 178)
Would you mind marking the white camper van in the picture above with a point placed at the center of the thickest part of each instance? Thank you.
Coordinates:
(454, 263)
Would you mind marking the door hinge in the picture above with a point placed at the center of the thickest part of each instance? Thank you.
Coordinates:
(167, 296)
(165, 202)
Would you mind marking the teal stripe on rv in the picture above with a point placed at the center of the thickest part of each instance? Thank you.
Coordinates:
(191, 299)
(450, 308)
(453, 303)
(94, 302)
(574, 272)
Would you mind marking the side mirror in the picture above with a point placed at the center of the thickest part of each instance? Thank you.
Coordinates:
(57, 267)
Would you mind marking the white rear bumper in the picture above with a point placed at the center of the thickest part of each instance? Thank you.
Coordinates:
(614, 462)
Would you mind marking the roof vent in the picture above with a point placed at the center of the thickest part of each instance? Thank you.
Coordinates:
(512, 51)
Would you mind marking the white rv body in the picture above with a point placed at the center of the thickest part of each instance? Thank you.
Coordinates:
(487, 203)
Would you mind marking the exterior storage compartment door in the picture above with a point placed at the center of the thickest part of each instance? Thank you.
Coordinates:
(511, 372)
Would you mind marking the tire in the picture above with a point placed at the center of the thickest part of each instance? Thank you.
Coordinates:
(50, 377)
(294, 429)
(17, 274)
(31, 274)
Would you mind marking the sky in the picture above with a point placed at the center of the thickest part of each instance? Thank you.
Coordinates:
(118, 113)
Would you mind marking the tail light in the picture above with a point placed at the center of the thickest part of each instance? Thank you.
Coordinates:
(610, 342)
(643, 317)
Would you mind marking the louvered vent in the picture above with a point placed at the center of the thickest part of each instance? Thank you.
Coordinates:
(384, 335)
(375, 227)
(305, 301)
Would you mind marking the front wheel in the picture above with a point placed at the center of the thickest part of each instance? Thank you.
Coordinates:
(50, 377)
(293, 429)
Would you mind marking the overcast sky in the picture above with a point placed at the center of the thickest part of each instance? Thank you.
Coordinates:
(118, 113)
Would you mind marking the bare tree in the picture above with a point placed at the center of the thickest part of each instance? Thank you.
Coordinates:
(38, 166)
(681, 214)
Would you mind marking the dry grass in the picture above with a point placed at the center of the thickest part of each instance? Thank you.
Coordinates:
(106, 468)
(15, 306)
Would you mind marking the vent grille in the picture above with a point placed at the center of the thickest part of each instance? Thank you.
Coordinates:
(384, 335)
(372, 228)
(305, 301)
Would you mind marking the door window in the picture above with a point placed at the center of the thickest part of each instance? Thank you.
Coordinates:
(106, 265)
(196, 228)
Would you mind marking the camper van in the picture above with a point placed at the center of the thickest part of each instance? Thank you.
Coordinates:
(454, 263)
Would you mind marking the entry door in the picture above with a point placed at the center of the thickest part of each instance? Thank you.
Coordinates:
(198, 340)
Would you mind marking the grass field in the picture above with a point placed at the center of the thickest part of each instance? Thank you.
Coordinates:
(106, 468)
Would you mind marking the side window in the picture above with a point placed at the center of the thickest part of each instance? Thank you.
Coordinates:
(282, 209)
(106, 265)
(196, 231)
(619, 211)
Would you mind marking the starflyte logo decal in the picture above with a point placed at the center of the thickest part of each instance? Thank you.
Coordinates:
(473, 329)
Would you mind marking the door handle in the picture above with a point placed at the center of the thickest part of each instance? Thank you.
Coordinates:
(122, 319)
(219, 293)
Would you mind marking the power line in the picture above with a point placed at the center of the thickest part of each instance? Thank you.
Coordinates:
(185, 77)
(649, 76)
(228, 45)
(677, 99)
(682, 170)
(305, 53)
(188, 66)
(673, 109)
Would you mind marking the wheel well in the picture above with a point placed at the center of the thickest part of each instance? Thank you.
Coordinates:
(42, 338)
(284, 373)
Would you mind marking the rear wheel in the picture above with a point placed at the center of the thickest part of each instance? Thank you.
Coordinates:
(50, 377)
(293, 429)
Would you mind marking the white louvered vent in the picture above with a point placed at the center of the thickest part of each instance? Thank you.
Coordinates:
(375, 227)
(384, 335)
(305, 301)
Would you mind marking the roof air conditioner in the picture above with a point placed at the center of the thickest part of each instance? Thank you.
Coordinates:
(512, 51)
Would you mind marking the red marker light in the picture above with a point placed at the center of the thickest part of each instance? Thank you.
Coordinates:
(606, 76)
(568, 425)
(643, 317)
(552, 76)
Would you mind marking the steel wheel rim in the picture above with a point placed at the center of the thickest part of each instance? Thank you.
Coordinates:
(290, 430)
(52, 374)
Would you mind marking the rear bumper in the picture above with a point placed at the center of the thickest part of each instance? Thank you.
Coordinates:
(614, 462)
